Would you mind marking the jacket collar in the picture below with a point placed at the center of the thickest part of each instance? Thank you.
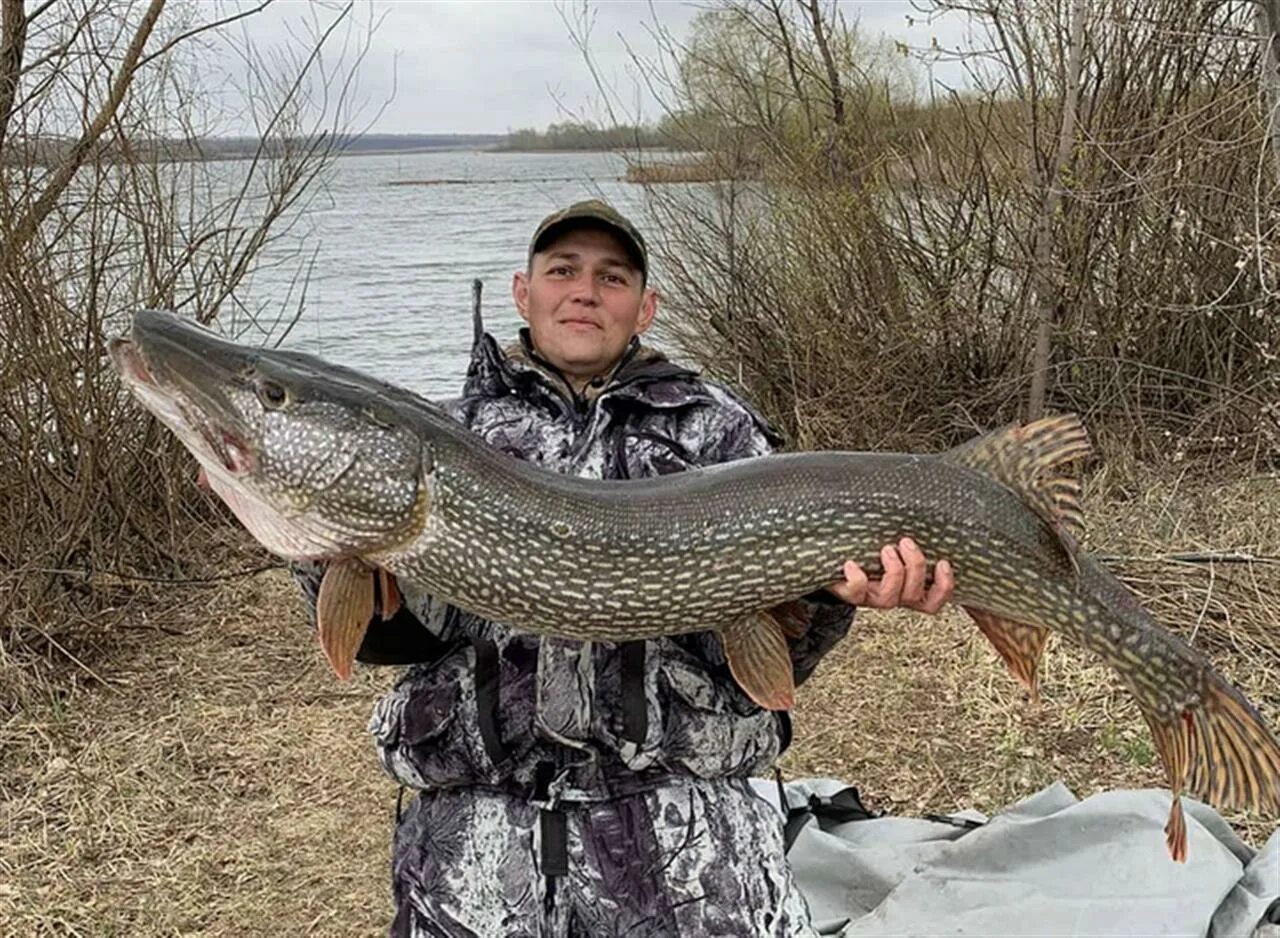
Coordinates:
(642, 373)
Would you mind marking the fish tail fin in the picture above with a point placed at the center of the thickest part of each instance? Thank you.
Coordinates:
(1219, 750)
(756, 649)
(344, 608)
(1238, 763)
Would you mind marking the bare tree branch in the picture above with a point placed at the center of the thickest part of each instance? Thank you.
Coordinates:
(28, 224)
(833, 73)
(788, 49)
(204, 28)
(1046, 292)
(1267, 24)
(13, 38)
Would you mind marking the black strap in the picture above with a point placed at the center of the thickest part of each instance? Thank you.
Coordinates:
(784, 730)
(796, 820)
(400, 806)
(555, 842)
(554, 855)
(635, 713)
(488, 672)
(842, 807)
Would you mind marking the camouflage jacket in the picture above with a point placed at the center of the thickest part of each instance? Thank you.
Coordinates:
(485, 705)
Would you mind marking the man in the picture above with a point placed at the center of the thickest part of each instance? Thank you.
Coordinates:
(595, 789)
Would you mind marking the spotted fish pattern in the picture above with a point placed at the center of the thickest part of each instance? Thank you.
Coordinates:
(643, 748)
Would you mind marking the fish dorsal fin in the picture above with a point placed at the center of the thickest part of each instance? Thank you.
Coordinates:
(1027, 460)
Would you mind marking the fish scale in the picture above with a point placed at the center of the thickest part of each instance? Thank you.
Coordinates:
(727, 548)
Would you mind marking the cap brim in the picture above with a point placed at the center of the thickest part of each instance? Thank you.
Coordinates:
(558, 227)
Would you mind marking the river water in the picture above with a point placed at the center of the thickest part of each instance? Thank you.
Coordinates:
(397, 240)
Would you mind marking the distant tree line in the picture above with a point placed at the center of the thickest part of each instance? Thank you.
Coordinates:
(587, 135)
(51, 149)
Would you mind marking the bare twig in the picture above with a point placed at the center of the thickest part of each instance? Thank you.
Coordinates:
(828, 60)
(1193, 557)
(28, 223)
(13, 38)
(1267, 22)
(143, 578)
(204, 28)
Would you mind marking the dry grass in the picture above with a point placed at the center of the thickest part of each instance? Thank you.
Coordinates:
(220, 782)
(706, 169)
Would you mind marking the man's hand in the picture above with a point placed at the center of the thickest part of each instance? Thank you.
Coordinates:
(902, 584)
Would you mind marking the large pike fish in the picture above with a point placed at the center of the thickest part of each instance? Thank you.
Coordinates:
(320, 461)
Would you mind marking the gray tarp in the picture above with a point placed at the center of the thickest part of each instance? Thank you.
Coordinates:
(1049, 865)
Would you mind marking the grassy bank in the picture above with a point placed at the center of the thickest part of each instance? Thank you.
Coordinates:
(218, 780)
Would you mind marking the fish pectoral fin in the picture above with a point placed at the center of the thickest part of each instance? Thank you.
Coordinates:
(389, 599)
(1027, 460)
(792, 617)
(1019, 644)
(756, 649)
(344, 609)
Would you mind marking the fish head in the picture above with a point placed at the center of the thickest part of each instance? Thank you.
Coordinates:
(308, 455)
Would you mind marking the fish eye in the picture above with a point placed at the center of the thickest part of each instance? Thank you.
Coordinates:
(272, 395)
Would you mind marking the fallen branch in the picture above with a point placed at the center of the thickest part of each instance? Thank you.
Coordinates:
(1190, 557)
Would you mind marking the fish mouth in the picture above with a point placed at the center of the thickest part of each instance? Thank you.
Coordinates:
(129, 362)
(202, 387)
(188, 413)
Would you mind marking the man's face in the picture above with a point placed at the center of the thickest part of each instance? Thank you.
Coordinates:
(583, 300)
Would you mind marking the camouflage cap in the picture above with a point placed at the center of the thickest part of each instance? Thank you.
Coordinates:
(593, 213)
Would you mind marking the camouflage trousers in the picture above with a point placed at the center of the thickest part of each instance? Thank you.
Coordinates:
(692, 857)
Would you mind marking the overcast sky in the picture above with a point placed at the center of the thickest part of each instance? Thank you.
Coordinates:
(488, 66)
